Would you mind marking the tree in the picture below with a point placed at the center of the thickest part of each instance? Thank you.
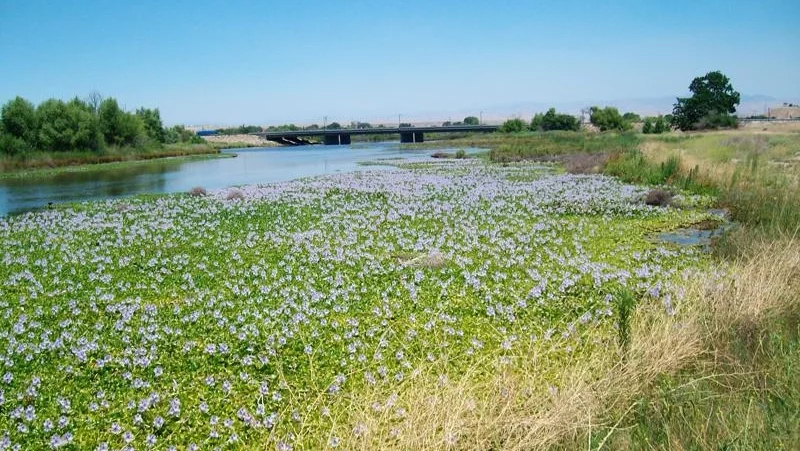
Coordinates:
(94, 99)
(608, 118)
(631, 117)
(471, 120)
(334, 126)
(554, 121)
(118, 127)
(647, 128)
(712, 103)
(153, 126)
(84, 126)
(19, 120)
(513, 126)
(660, 126)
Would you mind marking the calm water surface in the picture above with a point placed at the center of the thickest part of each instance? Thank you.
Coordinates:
(257, 165)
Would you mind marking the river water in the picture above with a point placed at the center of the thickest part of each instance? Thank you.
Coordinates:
(256, 165)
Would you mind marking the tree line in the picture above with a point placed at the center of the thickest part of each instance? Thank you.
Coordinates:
(711, 106)
(91, 124)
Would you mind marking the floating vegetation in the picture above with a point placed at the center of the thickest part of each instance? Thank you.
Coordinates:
(244, 317)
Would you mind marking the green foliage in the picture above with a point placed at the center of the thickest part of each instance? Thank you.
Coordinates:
(179, 134)
(461, 153)
(537, 145)
(471, 120)
(661, 126)
(655, 126)
(82, 126)
(608, 118)
(515, 125)
(153, 127)
(554, 121)
(245, 129)
(647, 128)
(334, 126)
(67, 126)
(118, 127)
(711, 105)
(633, 167)
(715, 120)
(11, 145)
(19, 119)
(631, 117)
(625, 303)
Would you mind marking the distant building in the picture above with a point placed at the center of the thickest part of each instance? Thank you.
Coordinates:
(784, 112)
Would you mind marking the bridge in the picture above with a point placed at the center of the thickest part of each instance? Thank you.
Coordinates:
(342, 136)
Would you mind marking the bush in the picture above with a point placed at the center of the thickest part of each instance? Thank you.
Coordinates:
(515, 125)
(647, 128)
(554, 121)
(608, 118)
(715, 120)
(11, 145)
(658, 197)
(197, 191)
(460, 153)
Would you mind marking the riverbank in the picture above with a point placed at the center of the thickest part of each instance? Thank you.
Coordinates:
(113, 166)
(238, 141)
(33, 161)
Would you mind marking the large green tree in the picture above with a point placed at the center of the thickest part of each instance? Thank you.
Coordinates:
(19, 119)
(712, 103)
(471, 120)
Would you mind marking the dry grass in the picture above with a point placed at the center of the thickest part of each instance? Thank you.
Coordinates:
(544, 398)
(547, 399)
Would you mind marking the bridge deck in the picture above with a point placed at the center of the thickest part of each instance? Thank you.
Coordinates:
(377, 131)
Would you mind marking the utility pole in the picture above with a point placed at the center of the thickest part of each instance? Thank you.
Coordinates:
(480, 121)
(324, 122)
(398, 120)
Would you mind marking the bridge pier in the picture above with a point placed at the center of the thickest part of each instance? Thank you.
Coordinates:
(411, 137)
(337, 139)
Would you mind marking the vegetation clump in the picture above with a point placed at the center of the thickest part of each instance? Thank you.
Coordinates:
(658, 197)
(608, 118)
(198, 191)
(554, 121)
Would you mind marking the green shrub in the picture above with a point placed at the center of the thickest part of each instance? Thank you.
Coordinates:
(515, 125)
(608, 118)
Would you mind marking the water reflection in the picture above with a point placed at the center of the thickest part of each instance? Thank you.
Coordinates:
(260, 165)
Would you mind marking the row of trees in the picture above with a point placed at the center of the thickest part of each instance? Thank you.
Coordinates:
(551, 120)
(711, 105)
(90, 124)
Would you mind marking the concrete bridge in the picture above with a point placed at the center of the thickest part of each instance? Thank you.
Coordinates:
(342, 136)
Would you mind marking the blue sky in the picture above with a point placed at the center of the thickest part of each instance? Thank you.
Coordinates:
(232, 62)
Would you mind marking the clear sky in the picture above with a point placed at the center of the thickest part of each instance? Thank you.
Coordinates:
(232, 62)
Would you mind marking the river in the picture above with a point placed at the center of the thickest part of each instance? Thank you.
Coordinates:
(256, 165)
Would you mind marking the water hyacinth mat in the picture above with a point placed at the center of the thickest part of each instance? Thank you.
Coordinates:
(185, 322)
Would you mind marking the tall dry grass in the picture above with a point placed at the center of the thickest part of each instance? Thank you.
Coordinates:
(546, 399)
